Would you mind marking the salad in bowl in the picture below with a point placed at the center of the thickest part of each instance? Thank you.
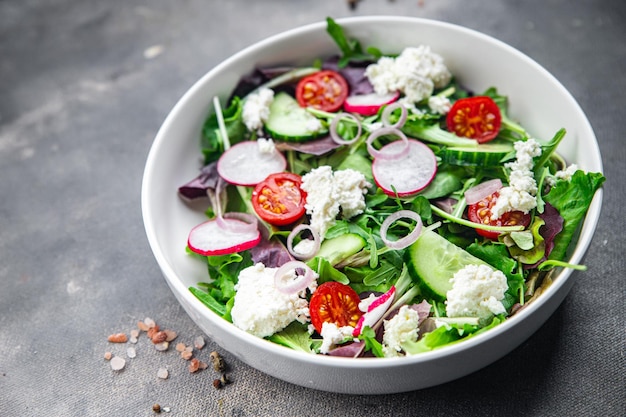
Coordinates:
(370, 204)
(373, 204)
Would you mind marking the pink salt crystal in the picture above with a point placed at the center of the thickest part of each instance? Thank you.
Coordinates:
(117, 363)
(199, 342)
(163, 373)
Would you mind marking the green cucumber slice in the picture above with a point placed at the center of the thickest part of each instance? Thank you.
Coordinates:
(288, 121)
(341, 247)
(432, 261)
(487, 154)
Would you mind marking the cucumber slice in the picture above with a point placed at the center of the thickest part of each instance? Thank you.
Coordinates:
(432, 261)
(341, 247)
(488, 154)
(288, 121)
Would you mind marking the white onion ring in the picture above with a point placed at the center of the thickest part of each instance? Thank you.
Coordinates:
(476, 193)
(391, 108)
(316, 242)
(243, 223)
(335, 123)
(406, 240)
(386, 155)
(284, 279)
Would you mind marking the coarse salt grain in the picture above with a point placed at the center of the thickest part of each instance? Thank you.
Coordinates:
(162, 347)
(117, 363)
(134, 333)
(149, 322)
(180, 347)
(170, 335)
(131, 352)
(118, 338)
(199, 342)
(163, 373)
(142, 326)
(108, 356)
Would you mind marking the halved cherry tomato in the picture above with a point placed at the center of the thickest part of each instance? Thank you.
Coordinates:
(278, 199)
(324, 90)
(475, 117)
(334, 302)
(481, 213)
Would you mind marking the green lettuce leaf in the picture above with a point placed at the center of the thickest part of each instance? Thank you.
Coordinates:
(211, 141)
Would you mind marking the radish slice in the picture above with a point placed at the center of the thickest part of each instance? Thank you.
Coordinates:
(293, 277)
(390, 109)
(407, 174)
(375, 311)
(247, 222)
(223, 237)
(406, 240)
(336, 136)
(484, 189)
(388, 153)
(247, 163)
(312, 246)
(368, 104)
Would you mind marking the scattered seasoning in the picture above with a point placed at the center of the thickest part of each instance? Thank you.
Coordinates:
(118, 363)
(167, 409)
(118, 338)
(217, 361)
(159, 337)
(108, 356)
(131, 352)
(142, 326)
(180, 347)
(152, 331)
(217, 383)
(163, 373)
(224, 379)
(134, 333)
(194, 365)
(170, 335)
(149, 322)
(162, 347)
(156, 408)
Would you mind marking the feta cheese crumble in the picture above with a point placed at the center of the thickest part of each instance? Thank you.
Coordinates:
(519, 195)
(333, 335)
(256, 108)
(266, 146)
(477, 291)
(566, 174)
(260, 308)
(439, 104)
(401, 328)
(416, 72)
(330, 192)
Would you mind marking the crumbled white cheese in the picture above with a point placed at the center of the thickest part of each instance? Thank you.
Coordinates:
(477, 291)
(329, 192)
(439, 104)
(401, 328)
(266, 146)
(333, 335)
(313, 125)
(519, 195)
(566, 174)
(260, 308)
(416, 72)
(256, 108)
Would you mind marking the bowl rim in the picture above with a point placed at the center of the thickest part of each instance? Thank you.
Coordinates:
(590, 221)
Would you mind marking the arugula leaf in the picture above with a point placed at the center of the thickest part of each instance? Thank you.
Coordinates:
(211, 142)
(572, 199)
(368, 335)
(217, 307)
(350, 48)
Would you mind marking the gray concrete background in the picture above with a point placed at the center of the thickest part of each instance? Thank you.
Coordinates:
(81, 99)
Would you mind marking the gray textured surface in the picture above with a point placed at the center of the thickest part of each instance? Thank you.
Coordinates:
(80, 105)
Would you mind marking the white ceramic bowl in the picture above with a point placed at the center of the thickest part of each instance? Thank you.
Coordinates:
(537, 99)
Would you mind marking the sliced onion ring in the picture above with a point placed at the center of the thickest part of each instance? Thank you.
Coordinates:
(314, 248)
(406, 240)
(390, 109)
(382, 154)
(286, 282)
(334, 134)
(476, 193)
(244, 222)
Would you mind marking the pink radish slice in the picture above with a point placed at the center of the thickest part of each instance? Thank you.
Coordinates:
(223, 237)
(407, 174)
(368, 104)
(375, 311)
(246, 164)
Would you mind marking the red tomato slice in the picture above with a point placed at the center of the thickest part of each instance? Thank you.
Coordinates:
(333, 302)
(475, 117)
(481, 213)
(278, 199)
(324, 90)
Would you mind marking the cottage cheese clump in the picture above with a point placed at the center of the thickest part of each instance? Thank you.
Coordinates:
(330, 192)
(520, 194)
(260, 308)
(416, 72)
(401, 328)
(256, 108)
(477, 291)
